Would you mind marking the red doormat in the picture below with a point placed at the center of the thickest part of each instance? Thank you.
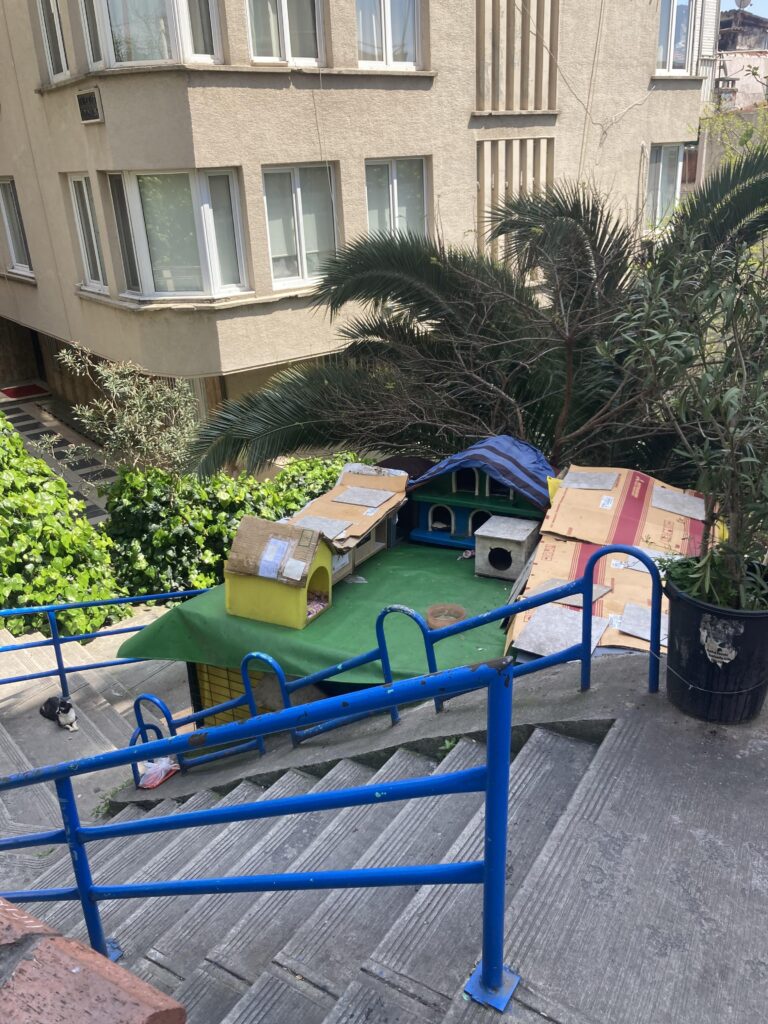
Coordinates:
(23, 391)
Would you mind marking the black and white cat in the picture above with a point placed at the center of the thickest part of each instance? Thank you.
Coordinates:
(61, 711)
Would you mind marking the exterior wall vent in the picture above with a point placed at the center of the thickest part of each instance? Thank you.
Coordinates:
(89, 105)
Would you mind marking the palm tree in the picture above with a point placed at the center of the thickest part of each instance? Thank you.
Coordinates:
(452, 346)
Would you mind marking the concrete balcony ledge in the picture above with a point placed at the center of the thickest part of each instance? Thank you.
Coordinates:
(136, 304)
(251, 69)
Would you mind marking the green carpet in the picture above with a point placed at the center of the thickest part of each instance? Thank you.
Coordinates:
(200, 630)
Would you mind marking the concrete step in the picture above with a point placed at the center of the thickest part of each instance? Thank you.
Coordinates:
(140, 932)
(277, 999)
(182, 946)
(166, 858)
(60, 873)
(34, 805)
(104, 857)
(368, 1001)
(274, 916)
(349, 924)
(431, 949)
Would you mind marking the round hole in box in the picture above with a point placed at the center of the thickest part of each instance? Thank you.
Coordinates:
(500, 559)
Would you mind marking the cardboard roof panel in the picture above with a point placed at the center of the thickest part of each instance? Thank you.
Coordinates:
(274, 551)
(360, 519)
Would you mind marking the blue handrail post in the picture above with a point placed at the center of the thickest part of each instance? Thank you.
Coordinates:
(586, 624)
(492, 982)
(82, 868)
(54, 627)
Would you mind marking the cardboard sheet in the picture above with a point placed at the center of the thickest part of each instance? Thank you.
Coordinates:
(385, 488)
(583, 519)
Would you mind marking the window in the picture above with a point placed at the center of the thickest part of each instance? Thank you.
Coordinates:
(387, 32)
(300, 221)
(673, 53)
(465, 481)
(14, 228)
(150, 31)
(285, 30)
(669, 170)
(179, 232)
(396, 196)
(88, 233)
(55, 53)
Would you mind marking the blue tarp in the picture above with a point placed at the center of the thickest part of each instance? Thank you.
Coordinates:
(514, 463)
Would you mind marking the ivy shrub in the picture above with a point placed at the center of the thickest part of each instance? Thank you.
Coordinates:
(49, 552)
(173, 533)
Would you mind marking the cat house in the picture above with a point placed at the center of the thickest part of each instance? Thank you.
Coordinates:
(278, 572)
(498, 477)
(503, 545)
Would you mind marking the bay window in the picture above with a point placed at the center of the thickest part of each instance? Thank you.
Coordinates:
(150, 31)
(673, 52)
(396, 196)
(16, 237)
(179, 232)
(285, 30)
(300, 222)
(387, 32)
(55, 54)
(672, 171)
(88, 232)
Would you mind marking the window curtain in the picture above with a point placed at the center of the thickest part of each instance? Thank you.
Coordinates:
(302, 29)
(84, 204)
(403, 14)
(377, 189)
(201, 26)
(281, 224)
(166, 201)
(410, 196)
(317, 217)
(219, 186)
(370, 42)
(140, 30)
(17, 238)
(265, 28)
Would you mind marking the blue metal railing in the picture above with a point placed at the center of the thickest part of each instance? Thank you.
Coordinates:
(492, 982)
(582, 651)
(57, 641)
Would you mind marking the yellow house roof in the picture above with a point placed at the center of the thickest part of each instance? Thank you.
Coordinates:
(274, 551)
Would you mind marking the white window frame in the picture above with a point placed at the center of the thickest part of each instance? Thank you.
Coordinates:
(391, 165)
(204, 228)
(90, 284)
(303, 280)
(652, 224)
(667, 69)
(386, 30)
(56, 12)
(16, 266)
(285, 56)
(180, 28)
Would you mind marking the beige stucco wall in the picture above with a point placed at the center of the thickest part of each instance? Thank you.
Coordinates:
(610, 109)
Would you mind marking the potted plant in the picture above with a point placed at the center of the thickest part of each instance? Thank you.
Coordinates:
(697, 339)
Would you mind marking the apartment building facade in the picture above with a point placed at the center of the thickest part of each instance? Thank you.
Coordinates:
(173, 172)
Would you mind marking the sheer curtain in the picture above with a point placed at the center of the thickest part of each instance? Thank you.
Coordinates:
(317, 217)
(377, 189)
(370, 40)
(265, 28)
(166, 201)
(410, 196)
(403, 13)
(201, 26)
(281, 224)
(302, 29)
(220, 187)
(140, 30)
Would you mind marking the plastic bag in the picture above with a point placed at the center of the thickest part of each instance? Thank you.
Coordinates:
(156, 772)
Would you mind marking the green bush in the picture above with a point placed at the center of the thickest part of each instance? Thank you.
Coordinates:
(174, 533)
(49, 552)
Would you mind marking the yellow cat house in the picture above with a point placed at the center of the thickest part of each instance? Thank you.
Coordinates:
(278, 573)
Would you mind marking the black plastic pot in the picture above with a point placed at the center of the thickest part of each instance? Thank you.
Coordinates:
(717, 661)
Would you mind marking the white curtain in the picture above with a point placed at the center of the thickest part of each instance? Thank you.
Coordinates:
(317, 217)
(377, 189)
(370, 44)
(265, 28)
(302, 29)
(140, 30)
(202, 29)
(281, 224)
(219, 186)
(410, 196)
(166, 201)
(403, 30)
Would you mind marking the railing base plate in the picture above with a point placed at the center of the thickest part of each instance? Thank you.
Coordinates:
(499, 998)
(114, 950)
